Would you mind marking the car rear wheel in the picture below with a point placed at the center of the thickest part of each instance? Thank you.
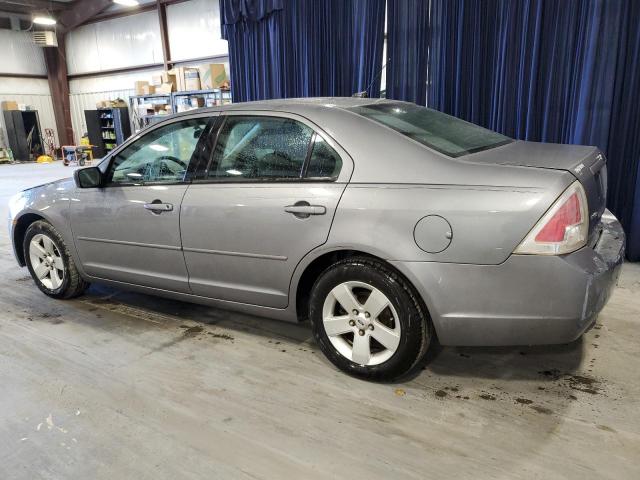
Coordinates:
(368, 320)
(50, 263)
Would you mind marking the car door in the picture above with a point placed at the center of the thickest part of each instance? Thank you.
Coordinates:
(129, 230)
(267, 198)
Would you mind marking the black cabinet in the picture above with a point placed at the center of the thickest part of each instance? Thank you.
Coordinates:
(107, 128)
(23, 134)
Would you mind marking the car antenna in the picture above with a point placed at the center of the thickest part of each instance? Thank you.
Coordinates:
(364, 93)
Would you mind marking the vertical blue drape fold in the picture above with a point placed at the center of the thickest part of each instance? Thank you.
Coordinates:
(303, 48)
(542, 70)
(407, 40)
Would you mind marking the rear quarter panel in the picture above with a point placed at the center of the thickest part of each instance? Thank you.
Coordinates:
(487, 222)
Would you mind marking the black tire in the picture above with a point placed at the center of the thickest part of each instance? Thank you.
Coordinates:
(72, 283)
(415, 332)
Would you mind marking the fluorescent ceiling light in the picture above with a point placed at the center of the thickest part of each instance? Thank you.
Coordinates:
(44, 20)
(127, 3)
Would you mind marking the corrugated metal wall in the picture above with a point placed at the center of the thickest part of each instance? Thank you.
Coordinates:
(20, 56)
(86, 92)
(131, 41)
(194, 32)
(33, 92)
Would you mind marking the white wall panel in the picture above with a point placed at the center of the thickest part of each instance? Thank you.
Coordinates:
(19, 54)
(118, 43)
(194, 30)
(33, 92)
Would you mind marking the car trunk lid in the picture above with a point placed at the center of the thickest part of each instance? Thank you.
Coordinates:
(587, 164)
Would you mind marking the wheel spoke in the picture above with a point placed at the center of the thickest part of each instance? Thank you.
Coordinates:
(337, 325)
(376, 303)
(40, 270)
(58, 263)
(55, 280)
(343, 294)
(37, 249)
(361, 353)
(48, 245)
(387, 337)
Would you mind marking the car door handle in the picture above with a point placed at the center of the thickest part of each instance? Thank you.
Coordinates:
(158, 207)
(304, 209)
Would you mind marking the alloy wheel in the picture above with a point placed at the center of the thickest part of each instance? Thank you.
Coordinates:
(361, 323)
(46, 261)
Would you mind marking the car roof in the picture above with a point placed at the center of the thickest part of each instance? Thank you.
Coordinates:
(294, 105)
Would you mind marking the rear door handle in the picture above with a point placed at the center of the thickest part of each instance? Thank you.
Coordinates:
(304, 209)
(158, 207)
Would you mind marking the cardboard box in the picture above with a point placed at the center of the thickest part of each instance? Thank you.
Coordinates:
(139, 87)
(213, 75)
(168, 77)
(165, 88)
(191, 79)
(148, 90)
(9, 105)
(196, 102)
(156, 80)
(178, 74)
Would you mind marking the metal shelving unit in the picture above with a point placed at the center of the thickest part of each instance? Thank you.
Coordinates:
(178, 101)
(182, 101)
(138, 121)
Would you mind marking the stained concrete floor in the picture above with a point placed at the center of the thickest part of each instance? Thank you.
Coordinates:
(127, 386)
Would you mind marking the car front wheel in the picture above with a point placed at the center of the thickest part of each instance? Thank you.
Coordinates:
(50, 262)
(368, 320)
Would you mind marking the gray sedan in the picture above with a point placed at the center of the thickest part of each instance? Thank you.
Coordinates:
(384, 223)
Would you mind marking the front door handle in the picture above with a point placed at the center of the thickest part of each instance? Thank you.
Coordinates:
(303, 209)
(157, 207)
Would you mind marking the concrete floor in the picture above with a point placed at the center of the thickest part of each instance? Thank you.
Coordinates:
(120, 385)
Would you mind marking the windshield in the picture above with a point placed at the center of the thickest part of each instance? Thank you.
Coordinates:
(436, 130)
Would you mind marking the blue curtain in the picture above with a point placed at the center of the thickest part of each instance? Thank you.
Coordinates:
(543, 70)
(407, 41)
(301, 48)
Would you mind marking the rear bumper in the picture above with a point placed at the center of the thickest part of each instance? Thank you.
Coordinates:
(527, 300)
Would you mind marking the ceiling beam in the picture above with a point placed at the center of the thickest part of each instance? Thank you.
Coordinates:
(81, 11)
(32, 5)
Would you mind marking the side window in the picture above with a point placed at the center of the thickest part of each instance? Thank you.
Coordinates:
(260, 148)
(161, 155)
(324, 161)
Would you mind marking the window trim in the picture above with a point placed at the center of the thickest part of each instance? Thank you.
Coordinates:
(202, 175)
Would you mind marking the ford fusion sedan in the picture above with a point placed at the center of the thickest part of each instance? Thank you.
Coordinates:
(384, 223)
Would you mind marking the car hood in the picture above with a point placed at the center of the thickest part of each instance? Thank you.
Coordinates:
(555, 156)
(63, 183)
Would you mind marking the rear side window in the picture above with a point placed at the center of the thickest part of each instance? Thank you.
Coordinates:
(260, 148)
(324, 161)
(436, 130)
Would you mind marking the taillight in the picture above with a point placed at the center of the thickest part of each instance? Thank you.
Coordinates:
(563, 229)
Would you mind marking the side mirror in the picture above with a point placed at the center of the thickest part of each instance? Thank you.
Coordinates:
(90, 177)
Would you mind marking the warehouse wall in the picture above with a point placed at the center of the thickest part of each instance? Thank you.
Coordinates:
(194, 32)
(118, 43)
(86, 92)
(20, 56)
